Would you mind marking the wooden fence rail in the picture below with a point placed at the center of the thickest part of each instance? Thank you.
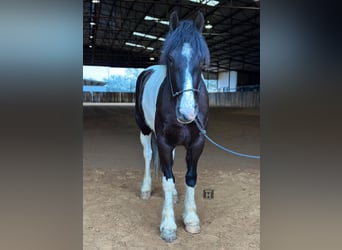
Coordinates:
(249, 99)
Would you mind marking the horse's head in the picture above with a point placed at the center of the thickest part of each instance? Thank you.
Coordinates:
(185, 53)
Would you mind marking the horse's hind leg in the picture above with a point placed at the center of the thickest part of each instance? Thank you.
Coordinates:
(146, 186)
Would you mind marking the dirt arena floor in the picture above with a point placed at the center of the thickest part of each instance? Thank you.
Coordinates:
(114, 216)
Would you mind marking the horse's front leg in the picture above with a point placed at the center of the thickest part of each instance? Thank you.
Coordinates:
(168, 225)
(190, 217)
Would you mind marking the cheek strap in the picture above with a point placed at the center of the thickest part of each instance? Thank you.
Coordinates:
(174, 94)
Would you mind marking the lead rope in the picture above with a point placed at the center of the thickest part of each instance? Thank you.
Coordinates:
(204, 133)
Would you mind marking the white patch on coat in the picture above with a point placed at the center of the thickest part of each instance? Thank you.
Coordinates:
(168, 217)
(150, 94)
(147, 150)
(190, 216)
(187, 102)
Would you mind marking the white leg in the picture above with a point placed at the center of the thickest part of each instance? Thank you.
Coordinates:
(175, 196)
(190, 218)
(174, 191)
(168, 225)
(146, 185)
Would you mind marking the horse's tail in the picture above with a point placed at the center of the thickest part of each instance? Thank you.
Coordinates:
(155, 154)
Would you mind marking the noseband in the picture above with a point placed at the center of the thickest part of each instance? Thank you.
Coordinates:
(174, 94)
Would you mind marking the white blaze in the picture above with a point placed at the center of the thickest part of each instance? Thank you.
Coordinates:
(187, 102)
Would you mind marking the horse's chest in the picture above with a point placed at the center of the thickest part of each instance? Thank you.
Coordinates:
(178, 135)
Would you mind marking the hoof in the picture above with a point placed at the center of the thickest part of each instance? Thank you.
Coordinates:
(168, 235)
(145, 195)
(194, 229)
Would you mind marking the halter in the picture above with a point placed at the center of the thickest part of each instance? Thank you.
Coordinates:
(174, 94)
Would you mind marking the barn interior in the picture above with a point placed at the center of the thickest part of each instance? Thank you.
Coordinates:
(130, 34)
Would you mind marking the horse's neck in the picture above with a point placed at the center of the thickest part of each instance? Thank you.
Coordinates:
(150, 93)
(159, 72)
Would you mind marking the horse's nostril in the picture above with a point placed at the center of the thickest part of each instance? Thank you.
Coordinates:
(186, 115)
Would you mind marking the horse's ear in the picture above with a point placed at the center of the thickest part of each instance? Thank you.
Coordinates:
(173, 21)
(199, 21)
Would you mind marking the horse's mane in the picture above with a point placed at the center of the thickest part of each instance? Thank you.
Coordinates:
(186, 31)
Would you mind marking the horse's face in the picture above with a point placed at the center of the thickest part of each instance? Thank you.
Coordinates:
(185, 75)
(185, 53)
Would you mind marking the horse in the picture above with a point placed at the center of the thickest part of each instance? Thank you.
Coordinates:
(169, 97)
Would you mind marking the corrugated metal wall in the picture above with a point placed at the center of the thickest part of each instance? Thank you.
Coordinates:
(235, 99)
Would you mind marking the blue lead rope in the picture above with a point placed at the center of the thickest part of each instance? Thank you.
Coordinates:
(204, 133)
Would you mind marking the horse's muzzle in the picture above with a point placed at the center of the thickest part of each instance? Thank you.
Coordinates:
(186, 115)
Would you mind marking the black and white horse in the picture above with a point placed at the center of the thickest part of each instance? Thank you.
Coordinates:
(169, 97)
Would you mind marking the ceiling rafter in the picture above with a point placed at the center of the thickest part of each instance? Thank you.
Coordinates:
(233, 41)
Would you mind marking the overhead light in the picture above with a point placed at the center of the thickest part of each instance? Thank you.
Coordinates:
(138, 46)
(90, 46)
(164, 22)
(130, 44)
(208, 25)
(134, 45)
(92, 23)
(206, 2)
(152, 58)
(151, 18)
(91, 37)
(144, 35)
(148, 36)
(95, 1)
